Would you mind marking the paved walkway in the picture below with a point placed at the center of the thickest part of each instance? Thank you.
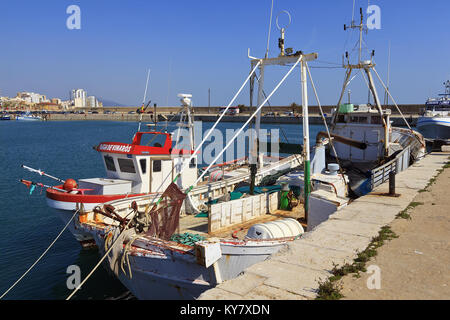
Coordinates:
(416, 265)
(294, 272)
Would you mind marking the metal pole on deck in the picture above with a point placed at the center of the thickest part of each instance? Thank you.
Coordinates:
(307, 164)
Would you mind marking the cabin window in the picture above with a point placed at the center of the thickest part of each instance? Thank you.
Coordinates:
(362, 119)
(341, 118)
(156, 165)
(126, 165)
(143, 163)
(376, 120)
(110, 163)
(153, 140)
(356, 119)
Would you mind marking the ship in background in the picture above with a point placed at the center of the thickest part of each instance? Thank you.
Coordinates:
(434, 124)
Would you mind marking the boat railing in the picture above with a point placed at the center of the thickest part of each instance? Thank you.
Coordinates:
(400, 163)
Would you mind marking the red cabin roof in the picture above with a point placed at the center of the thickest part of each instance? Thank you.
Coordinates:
(140, 146)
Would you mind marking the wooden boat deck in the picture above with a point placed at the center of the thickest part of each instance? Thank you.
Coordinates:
(199, 225)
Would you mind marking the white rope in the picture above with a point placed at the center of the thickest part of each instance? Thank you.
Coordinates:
(220, 118)
(32, 266)
(249, 119)
(101, 260)
(186, 163)
(395, 103)
(324, 121)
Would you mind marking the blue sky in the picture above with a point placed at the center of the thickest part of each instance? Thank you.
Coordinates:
(191, 46)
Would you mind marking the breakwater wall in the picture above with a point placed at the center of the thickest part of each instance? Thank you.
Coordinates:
(313, 119)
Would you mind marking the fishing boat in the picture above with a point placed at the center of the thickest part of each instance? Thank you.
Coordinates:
(146, 166)
(5, 116)
(158, 252)
(28, 116)
(365, 143)
(434, 124)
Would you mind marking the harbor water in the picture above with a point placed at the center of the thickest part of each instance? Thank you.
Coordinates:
(27, 225)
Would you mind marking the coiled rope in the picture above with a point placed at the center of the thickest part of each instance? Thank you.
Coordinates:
(41, 256)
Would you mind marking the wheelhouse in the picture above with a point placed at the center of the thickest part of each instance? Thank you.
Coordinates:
(366, 125)
(148, 164)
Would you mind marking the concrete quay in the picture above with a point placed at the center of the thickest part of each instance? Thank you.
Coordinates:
(313, 119)
(294, 272)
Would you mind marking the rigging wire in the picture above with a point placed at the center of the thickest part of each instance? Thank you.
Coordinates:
(246, 123)
(325, 123)
(41, 256)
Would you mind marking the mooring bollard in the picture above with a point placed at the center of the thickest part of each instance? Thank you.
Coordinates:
(392, 183)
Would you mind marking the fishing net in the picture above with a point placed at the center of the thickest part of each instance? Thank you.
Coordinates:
(165, 215)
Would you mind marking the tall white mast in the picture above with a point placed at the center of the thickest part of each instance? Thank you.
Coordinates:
(287, 57)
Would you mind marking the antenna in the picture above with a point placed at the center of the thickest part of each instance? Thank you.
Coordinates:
(386, 97)
(353, 13)
(268, 35)
(361, 28)
(282, 31)
(447, 89)
(146, 85)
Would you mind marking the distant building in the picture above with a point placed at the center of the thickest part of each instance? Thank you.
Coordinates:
(92, 102)
(49, 106)
(79, 98)
(67, 104)
(31, 97)
(55, 101)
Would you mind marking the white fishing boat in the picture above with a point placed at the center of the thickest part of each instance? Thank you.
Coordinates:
(146, 166)
(5, 116)
(434, 124)
(364, 140)
(28, 116)
(140, 237)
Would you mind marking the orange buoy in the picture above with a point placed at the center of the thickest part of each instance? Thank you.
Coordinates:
(70, 184)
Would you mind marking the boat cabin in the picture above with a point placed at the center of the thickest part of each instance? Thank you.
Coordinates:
(366, 125)
(148, 164)
(437, 107)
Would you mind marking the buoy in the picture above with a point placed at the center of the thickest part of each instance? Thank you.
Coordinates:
(70, 184)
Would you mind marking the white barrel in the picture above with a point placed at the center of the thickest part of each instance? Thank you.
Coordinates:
(287, 227)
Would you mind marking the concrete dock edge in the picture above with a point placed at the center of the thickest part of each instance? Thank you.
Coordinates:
(294, 273)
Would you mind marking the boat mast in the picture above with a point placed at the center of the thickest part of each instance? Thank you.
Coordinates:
(306, 153)
(447, 89)
(365, 65)
(287, 57)
(386, 96)
(143, 101)
(187, 103)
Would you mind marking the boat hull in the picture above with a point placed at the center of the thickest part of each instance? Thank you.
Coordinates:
(65, 205)
(84, 238)
(434, 128)
(164, 270)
